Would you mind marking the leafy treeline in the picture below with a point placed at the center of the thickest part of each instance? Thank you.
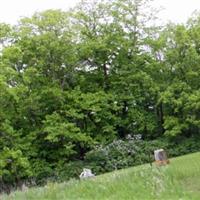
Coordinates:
(102, 71)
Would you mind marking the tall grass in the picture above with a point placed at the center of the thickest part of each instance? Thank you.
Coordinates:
(179, 181)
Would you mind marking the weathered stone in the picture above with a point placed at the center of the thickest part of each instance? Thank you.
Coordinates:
(161, 157)
(87, 173)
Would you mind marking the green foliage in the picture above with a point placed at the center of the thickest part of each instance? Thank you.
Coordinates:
(126, 153)
(62, 137)
(66, 171)
(122, 154)
(91, 76)
(179, 180)
(13, 166)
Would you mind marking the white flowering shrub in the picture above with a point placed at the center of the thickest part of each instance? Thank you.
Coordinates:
(122, 153)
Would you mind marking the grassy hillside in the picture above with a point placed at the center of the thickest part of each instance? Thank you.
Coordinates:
(180, 180)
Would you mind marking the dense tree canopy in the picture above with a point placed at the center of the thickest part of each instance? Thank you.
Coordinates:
(71, 80)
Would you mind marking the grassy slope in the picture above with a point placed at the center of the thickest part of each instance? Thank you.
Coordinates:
(180, 180)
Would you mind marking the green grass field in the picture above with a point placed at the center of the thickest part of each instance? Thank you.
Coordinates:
(179, 180)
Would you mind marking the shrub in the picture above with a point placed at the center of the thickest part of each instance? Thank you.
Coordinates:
(125, 153)
(67, 170)
(121, 154)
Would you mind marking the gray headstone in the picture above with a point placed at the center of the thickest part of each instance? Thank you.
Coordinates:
(160, 155)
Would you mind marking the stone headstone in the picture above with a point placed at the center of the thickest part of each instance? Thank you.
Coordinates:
(87, 173)
(161, 157)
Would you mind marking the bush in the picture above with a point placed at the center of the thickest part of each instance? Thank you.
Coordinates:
(116, 155)
(121, 154)
(72, 169)
(125, 153)
(14, 168)
(184, 146)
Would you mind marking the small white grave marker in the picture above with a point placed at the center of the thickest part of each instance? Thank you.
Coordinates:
(87, 173)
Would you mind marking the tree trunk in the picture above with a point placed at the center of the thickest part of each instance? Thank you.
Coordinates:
(161, 117)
